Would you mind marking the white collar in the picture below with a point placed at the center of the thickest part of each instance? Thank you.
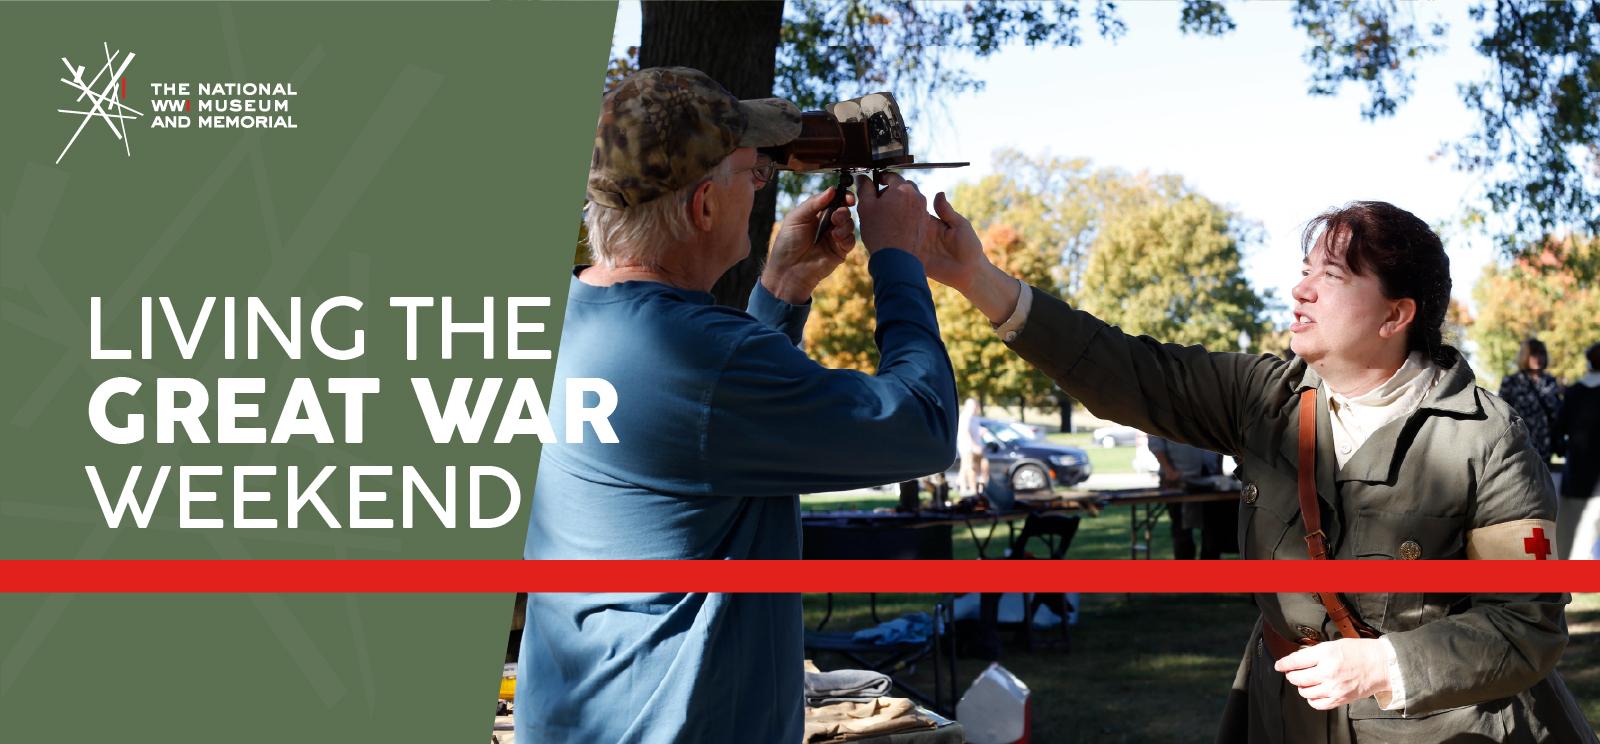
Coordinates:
(1409, 384)
(1590, 380)
(1354, 420)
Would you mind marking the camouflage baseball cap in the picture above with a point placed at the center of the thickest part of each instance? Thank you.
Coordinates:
(664, 128)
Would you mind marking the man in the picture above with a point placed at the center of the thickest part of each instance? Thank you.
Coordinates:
(720, 420)
(1182, 465)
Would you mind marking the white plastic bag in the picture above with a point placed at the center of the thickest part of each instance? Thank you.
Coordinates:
(996, 708)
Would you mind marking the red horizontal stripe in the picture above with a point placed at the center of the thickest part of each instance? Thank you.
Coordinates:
(210, 576)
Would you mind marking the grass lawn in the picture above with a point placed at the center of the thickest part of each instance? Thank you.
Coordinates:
(1156, 667)
(1141, 667)
(1580, 665)
(1101, 537)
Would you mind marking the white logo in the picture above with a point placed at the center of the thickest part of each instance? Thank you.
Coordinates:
(105, 104)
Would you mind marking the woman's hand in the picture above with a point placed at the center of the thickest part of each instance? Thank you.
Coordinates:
(952, 252)
(1339, 672)
(953, 256)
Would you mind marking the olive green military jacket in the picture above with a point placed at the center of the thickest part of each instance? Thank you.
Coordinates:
(1421, 487)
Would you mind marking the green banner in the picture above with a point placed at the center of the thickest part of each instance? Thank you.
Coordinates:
(176, 179)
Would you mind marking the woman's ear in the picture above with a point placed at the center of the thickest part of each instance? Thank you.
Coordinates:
(1401, 314)
(702, 203)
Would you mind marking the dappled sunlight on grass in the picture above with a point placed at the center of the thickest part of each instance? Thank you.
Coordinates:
(1580, 665)
(1141, 668)
(1155, 667)
(1167, 665)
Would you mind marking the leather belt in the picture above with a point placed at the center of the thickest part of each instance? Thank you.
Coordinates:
(1278, 646)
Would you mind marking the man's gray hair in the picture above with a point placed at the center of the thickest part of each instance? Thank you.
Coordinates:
(637, 235)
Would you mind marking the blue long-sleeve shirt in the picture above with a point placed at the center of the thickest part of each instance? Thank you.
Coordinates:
(721, 420)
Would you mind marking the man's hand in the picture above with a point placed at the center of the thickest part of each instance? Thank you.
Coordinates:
(1338, 672)
(796, 264)
(895, 217)
(1170, 475)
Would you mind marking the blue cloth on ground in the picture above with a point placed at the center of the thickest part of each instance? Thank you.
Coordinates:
(721, 421)
(912, 627)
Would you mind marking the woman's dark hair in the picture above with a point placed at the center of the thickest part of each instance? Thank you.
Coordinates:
(1593, 353)
(1531, 348)
(1407, 257)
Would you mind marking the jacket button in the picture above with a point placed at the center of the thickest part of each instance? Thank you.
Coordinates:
(1250, 493)
(1410, 551)
(1308, 635)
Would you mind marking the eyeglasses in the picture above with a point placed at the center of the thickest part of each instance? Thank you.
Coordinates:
(763, 172)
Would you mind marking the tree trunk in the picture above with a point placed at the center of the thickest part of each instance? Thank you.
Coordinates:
(737, 45)
(1065, 402)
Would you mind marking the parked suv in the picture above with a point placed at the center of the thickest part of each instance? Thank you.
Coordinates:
(1021, 460)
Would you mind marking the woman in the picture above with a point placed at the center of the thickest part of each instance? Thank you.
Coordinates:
(1534, 394)
(969, 446)
(1412, 460)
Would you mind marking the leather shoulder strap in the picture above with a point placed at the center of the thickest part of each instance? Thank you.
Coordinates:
(1311, 513)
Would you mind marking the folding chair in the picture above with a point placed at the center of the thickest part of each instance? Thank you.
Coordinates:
(897, 660)
(1055, 532)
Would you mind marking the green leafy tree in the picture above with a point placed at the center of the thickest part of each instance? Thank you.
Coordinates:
(1048, 201)
(815, 52)
(1171, 268)
(835, 49)
(1058, 204)
(984, 368)
(839, 330)
(1550, 293)
(1537, 143)
(1153, 256)
(1537, 140)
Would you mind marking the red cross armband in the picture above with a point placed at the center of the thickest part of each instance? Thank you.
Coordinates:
(1523, 539)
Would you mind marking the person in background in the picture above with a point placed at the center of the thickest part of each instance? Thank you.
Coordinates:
(1181, 466)
(969, 446)
(1576, 434)
(1535, 394)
